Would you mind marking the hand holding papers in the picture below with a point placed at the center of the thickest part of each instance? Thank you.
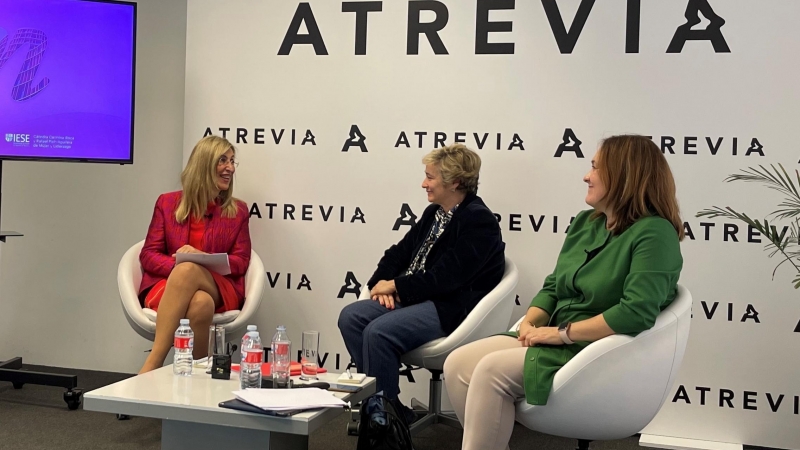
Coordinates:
(289, 399)
(218, 262)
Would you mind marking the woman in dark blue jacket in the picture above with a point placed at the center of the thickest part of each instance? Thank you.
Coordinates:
(426, 284)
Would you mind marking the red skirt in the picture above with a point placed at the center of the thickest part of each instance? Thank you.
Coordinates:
(230, 300)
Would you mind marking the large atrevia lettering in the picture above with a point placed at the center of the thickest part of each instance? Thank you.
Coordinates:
(566, 36)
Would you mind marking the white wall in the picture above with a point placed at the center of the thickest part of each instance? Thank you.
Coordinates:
(59, 303)
(695, 96)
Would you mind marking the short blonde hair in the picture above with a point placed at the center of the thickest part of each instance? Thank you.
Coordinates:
(199, 180)
(457, 163)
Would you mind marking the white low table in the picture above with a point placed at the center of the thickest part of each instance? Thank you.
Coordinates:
(192, 419)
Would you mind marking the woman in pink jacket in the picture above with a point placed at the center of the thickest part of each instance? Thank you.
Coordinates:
(203, 217)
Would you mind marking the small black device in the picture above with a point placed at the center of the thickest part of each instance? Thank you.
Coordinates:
(221, 367)
(266, 383)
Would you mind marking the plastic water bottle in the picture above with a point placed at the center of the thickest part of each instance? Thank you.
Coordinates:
(184, 344)
(281, 358)
(252, 356)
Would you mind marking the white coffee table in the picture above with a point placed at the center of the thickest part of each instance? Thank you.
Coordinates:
(192, 419)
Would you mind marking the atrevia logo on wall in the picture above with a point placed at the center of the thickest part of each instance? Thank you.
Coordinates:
(745, 400)
(286, 280)
(350, 286)
(571, 145)
(24, 87)
(676, 145)
(355, 139)
(728, 312)
(407, 217)
(727, 232)
(565, 38)
(437, 139)
(476, 140)
(308, 213)
(553, 223)
(265, 136)
(516, 221)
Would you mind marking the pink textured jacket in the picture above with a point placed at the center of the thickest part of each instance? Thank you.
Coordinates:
(223, 235)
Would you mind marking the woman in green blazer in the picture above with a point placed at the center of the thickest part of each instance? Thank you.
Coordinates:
(617, 270)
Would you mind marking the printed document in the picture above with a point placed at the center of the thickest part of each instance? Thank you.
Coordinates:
(218, 262)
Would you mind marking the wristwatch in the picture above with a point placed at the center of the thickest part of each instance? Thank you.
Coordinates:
(563, 329)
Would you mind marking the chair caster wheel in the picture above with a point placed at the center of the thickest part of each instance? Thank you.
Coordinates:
(73, 398)
(352, 428)
(17, 385)
(123, 417)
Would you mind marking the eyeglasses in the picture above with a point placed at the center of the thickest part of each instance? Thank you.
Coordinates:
(224, 161)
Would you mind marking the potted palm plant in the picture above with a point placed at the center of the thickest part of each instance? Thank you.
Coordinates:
(783, 243)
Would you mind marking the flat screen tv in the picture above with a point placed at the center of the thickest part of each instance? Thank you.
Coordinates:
(67, 70)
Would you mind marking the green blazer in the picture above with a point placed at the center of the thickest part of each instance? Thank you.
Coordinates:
(629, 278)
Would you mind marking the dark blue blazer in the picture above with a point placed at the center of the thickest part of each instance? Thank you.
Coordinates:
(465, 263)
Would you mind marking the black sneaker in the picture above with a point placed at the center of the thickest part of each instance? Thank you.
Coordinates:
(407, 412)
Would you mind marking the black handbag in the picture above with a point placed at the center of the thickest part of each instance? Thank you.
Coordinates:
(382, 426)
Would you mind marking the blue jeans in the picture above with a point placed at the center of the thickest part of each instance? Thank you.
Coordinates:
(377, 337)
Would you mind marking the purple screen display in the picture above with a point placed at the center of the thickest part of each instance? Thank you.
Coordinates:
(66, 77)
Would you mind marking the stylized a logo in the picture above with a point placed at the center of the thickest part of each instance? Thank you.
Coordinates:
(350, 286)
(356, 139)
(712, 33)
(570, 143)
(24, 87)
(9, 137)
(407, 217)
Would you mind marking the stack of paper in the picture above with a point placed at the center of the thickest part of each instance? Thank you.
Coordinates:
(217, 262)
(289, 399)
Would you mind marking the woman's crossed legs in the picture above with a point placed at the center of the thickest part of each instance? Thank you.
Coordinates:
(190, 293)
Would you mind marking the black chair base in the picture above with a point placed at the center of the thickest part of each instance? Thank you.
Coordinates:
(432, 412)
(10, 371)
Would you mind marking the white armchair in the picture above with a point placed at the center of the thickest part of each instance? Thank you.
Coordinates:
(143, 320)
(490, 316)
(614, 387)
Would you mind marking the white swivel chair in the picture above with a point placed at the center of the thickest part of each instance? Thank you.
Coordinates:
(490, 316)
(143, 320)
(615, 386)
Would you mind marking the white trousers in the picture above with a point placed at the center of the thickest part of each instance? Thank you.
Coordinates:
(484, 380)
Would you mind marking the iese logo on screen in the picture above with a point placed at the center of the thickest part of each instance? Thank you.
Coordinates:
(18, 138)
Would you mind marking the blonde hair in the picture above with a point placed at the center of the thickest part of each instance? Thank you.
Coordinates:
(199, 180)
(639, 182)
(457, 163)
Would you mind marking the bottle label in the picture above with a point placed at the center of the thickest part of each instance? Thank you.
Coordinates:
(253, 356)
(281, 349)
(184, 342)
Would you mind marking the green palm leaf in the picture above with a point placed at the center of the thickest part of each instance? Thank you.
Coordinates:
(785, 241)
